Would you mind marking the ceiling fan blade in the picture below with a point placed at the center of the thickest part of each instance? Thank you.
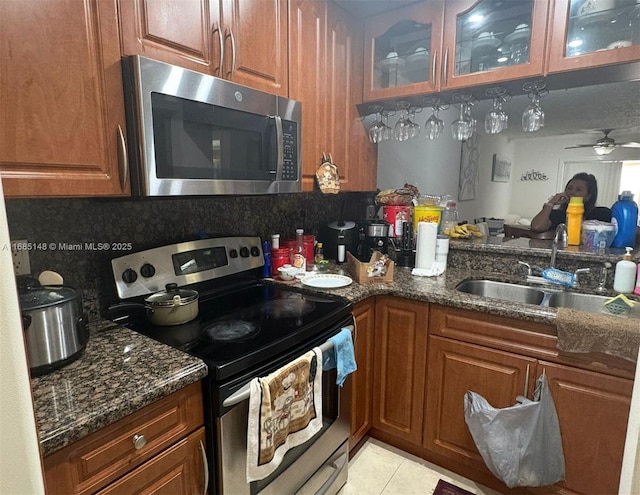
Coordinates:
(629, 145)
(579, 146)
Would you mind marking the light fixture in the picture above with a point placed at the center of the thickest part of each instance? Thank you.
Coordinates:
(603, 150)
(575, 43)
(502, 59)
(476, 18)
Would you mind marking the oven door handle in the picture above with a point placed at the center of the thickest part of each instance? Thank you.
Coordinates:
(338, 466)
(243, 393)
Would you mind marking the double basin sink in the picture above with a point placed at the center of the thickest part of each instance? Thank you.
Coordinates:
(554, 298)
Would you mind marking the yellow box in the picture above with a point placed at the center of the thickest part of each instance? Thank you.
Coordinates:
(359, 271)
(424, 213)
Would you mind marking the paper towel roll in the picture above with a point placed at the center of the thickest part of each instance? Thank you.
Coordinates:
(426, 244)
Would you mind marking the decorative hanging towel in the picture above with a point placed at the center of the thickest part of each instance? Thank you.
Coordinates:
(285, 410)
(327, 176)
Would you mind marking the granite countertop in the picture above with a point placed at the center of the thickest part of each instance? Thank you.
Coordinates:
(119, 372)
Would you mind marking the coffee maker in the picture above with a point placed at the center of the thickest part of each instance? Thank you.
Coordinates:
(376, 238)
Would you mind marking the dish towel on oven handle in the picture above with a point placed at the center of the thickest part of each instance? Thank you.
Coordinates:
(341, 356)
(285, 410)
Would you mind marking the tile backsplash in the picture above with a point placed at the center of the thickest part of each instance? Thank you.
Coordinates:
(79, 237)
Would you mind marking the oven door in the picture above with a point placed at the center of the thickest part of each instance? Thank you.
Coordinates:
(318, 466)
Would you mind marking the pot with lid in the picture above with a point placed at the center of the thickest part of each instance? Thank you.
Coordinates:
(172, 306)
(53, 323)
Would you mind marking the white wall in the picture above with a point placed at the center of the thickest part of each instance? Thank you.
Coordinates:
(20, 471)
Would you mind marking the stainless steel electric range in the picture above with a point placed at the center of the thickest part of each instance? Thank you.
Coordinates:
(244, 328)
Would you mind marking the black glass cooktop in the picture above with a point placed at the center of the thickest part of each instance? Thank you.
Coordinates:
(244, 328)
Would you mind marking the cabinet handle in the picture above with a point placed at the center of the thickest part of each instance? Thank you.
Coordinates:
(205, 464)
(216, 28)
(123, 159)
(139, 441)
(526, 383)
(445, 67)
(432, 79)
(233, 52)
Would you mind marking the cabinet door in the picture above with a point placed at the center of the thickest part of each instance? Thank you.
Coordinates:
(593, 411)
(308, 79)
(402, 51)
(454, 368)
(400, 353)
(62, 102)
(180, 32)
(586, 33)
(487, 41)
(359, 387)
(255, 43)
(179, 469)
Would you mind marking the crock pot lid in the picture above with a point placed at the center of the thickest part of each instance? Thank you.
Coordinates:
(348, 225)
(41, 297)
(165, 298)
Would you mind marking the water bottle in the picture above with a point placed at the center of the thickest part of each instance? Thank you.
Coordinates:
(624, 215)
(575, 210)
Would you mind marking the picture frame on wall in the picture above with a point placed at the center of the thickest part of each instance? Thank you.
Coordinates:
(501, 169)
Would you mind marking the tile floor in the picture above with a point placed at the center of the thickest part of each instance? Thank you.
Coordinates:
(380, 469)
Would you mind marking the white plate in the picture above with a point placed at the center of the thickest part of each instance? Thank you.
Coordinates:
(518, 35)
(485, 44)
(326, 281)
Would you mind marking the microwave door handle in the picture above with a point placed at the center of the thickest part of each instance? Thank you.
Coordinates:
(280, 147)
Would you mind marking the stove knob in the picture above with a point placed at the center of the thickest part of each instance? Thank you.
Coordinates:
(147, 270)
(255, 251)
(233, 253)
(244, 252)
(129, 276)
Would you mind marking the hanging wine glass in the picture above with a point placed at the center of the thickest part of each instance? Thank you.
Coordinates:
(463, 127)
(496, 119)
(533, 116)
(434, 126)
(414, 130)
(386, 132)
(402, 129)
(376, 126)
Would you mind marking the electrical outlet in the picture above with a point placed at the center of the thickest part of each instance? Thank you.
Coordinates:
(21, 265)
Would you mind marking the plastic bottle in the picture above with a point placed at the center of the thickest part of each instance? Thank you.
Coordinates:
(625, 275)
(298, 259)
(449, 216)
(266, 251)
(624, 215)
(575, 209)
(319, 256)
(275, 241)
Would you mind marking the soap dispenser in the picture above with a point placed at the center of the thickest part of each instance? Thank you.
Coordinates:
(625, 274)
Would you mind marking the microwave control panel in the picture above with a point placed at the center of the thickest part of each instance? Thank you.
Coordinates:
(290, 146)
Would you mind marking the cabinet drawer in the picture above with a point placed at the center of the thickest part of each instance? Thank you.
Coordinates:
(179, 469)
(103, 456)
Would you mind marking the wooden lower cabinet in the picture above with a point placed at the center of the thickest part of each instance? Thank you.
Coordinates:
(593, 410)
(158, 449)
(358, 387)
(400, 354)
(454, 368)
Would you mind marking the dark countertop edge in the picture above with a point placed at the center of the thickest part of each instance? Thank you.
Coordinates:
(54, 439)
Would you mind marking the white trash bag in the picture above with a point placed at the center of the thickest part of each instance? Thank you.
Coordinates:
(521, 444)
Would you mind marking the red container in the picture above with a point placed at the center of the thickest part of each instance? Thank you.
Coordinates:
(309, 248)
(396, 216)
(279, 257)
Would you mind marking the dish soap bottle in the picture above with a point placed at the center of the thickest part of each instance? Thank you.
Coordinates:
(575, 209)
(625, 274)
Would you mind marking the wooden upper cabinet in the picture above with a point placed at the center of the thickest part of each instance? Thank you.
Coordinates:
(243, 41)
(589, 34)
(488, 41)
(62, 104)
(180, 32)
(255, 44)
(403, 51)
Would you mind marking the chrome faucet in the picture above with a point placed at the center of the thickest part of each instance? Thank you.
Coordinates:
(559, 241)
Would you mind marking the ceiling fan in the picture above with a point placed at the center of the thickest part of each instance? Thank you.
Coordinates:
(605, 145)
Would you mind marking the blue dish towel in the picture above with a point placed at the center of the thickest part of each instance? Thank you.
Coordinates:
(341, 356)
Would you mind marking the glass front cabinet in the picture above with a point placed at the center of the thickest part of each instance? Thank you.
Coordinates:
(588, 33)
(403, 51)
(434, 46)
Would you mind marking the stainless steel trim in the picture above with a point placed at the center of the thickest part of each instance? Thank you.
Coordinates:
(338, 465)
(280, 141)
(123, 159)
(205, 465)
(243, 393)
(233, 52)
(216, 27)
(526, 382)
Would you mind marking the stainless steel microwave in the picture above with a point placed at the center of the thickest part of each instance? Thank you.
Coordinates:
(195, 134)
